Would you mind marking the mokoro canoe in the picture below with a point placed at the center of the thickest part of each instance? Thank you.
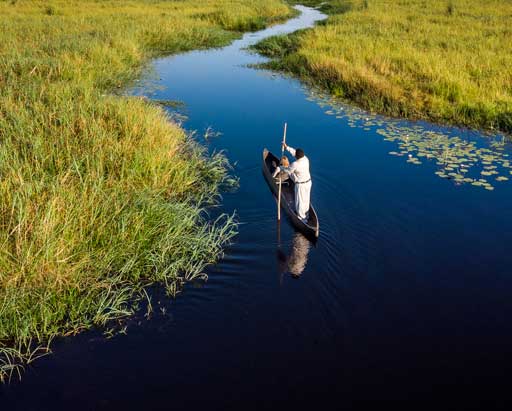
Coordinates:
(311, 228)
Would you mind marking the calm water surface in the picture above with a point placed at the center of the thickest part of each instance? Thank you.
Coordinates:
(406, 297)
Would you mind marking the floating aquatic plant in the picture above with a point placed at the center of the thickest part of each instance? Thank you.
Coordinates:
(462, 160)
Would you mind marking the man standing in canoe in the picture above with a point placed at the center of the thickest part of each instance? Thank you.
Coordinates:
(299, 173)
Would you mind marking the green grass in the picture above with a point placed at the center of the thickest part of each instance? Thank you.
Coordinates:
(100, 195)
(443, 60)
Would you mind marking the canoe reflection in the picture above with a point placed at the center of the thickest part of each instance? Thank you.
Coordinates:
(296, 260)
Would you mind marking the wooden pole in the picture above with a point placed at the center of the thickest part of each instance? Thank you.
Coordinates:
(280, 178)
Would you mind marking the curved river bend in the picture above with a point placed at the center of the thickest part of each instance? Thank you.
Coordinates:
(406, 297)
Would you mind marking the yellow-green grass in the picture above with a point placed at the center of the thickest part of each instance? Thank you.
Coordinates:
(100, 195)
(443, 60)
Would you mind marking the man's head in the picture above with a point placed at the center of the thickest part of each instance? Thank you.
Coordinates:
(299, 153)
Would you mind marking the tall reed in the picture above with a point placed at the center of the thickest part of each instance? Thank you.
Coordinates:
(100, 195)
(446, 61)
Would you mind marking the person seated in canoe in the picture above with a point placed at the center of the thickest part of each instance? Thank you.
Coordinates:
(281, 174)
(299, 173)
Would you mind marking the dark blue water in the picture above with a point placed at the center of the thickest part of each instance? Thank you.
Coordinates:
(406, 297)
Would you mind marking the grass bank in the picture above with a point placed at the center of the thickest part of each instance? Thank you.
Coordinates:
(442, 60)
(100, 195)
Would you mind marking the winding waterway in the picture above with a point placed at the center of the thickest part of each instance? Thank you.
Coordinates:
(406, 296)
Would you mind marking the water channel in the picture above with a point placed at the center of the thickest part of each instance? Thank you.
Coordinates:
(405, 297)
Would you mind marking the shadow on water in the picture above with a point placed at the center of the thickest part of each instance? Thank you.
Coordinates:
(405, 298)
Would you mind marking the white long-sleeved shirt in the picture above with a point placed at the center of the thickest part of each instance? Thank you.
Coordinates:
(299, 169)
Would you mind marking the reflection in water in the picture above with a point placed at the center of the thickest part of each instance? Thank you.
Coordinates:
(295, 262)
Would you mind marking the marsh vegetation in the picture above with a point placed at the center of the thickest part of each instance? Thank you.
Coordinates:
(446, 61)
(100, 195)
